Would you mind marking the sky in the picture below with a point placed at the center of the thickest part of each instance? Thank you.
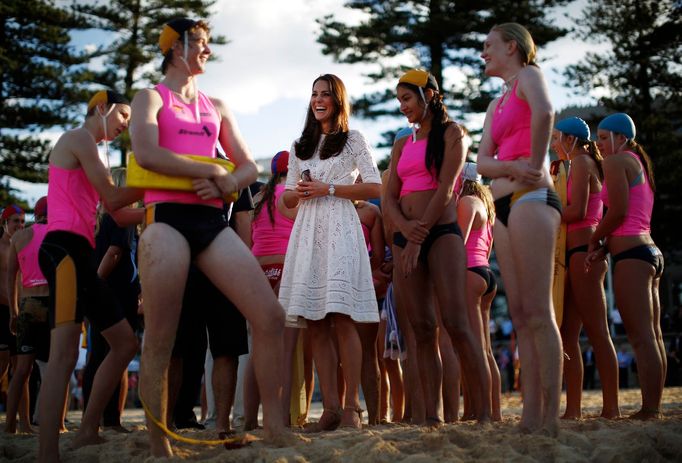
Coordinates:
(265, 72)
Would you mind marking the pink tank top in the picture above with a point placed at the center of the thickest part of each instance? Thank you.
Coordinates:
(269, 239)
(31, 275)
(478, 246)
(593, 215)
(181, 133)
(412, 168)
(72, 202)
(640, 206)
(511, 127)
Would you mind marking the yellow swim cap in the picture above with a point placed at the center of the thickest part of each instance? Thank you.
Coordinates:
(172, 31)
(106, 97)
(420, 78)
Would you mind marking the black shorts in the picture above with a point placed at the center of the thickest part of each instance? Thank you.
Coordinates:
(646, 252)
(487, 275)
(435, 232)
(8, 342)
(33, 328)
(197, 223)
(76, 292)
(204, 308)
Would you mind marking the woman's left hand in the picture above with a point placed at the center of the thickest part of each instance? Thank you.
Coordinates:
(206, 188)
(312, 189)
(410, 257)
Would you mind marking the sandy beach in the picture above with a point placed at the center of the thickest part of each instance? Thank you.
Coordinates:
(589, 440)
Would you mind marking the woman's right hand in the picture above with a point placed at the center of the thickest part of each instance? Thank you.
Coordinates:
(410, 257)
(414, 231)
(523, 172)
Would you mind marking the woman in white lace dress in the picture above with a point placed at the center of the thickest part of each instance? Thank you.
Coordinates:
(327, 280)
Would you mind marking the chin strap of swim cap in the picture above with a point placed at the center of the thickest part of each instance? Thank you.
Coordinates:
(561, 143)
(195, 87)
(106, 133)
(417, 125)
(613, 144)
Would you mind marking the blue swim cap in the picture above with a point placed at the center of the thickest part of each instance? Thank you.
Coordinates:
(574, 126)
(405, 131)
(619, 123)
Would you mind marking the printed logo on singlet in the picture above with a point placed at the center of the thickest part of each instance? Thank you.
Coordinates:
(26, 349)
(204, 131)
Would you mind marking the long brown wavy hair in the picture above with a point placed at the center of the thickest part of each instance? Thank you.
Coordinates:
(312, 131)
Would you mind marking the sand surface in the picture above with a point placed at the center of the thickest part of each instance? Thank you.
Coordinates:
(591, 439)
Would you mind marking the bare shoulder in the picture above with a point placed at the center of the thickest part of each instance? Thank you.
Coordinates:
(454, 132)
(21, 238)
(220, 106)
(530, 73)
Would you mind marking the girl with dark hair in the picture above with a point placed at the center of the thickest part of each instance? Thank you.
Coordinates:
(628, 193)
(270, 230)
(427, 245)
(585, 302)
(513, 152)
(327, 280)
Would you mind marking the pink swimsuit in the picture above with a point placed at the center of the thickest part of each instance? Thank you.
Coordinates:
(511, 127)
(412, 171)
(594, 211)
(31, 275)
(72, 202)
(637, 219)
(269, 239)
(478, 246)
(181, 133)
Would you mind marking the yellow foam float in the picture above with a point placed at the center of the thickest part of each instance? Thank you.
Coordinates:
(139, 177)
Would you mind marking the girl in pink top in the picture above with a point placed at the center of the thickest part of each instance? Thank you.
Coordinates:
(78, 179)
(270, 230)
(585, 301)
(528, 212)
(637, 262)
(476, 216)
(169, 122)
(430, 272)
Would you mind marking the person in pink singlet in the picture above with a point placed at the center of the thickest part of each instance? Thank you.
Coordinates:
(628, 194)
(270, 230)
(77, 181)
(169, 122)
(430, 272)
(476, 216)
(513, 152)
(28, 315)
(585, 301)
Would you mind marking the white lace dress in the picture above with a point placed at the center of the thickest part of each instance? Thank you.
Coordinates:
(326, 268)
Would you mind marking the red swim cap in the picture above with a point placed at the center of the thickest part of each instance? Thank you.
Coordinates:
(11, 210)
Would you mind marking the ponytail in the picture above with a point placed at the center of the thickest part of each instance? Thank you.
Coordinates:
(268, 198)
(594, 153)
(646, 162)
(435, 146)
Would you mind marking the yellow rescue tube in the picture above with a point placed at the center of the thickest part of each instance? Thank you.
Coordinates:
(140, 177)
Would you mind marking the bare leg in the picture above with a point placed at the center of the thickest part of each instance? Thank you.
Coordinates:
(370, 369)
(18, 390)
(164, 263)
(496, 389)
(590, 302)
(326, 361)
(122, 349)
(532, 230)
(250, 291)
(63, 357)
(290, 342)
(251, 397)
(350, 352)
(224, 385)
(452, 375)
(632, 284)
(573, 363)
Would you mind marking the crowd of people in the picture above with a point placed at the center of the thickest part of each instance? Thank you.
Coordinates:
(393, 298)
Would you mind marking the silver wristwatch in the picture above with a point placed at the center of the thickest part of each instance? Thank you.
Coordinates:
(332, 190)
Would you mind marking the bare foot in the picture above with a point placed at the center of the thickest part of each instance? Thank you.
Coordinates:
(118, 428)
(610, 415)
(550, 429)
(160, 448)
(329, 421)
(647, 414)
(83, 440)
(26, 429)
(351, 418)
(234, 441)
(433, 422)
(572, 416)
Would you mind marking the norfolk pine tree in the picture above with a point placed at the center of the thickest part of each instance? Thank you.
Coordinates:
(132, 60)
(41, 85)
